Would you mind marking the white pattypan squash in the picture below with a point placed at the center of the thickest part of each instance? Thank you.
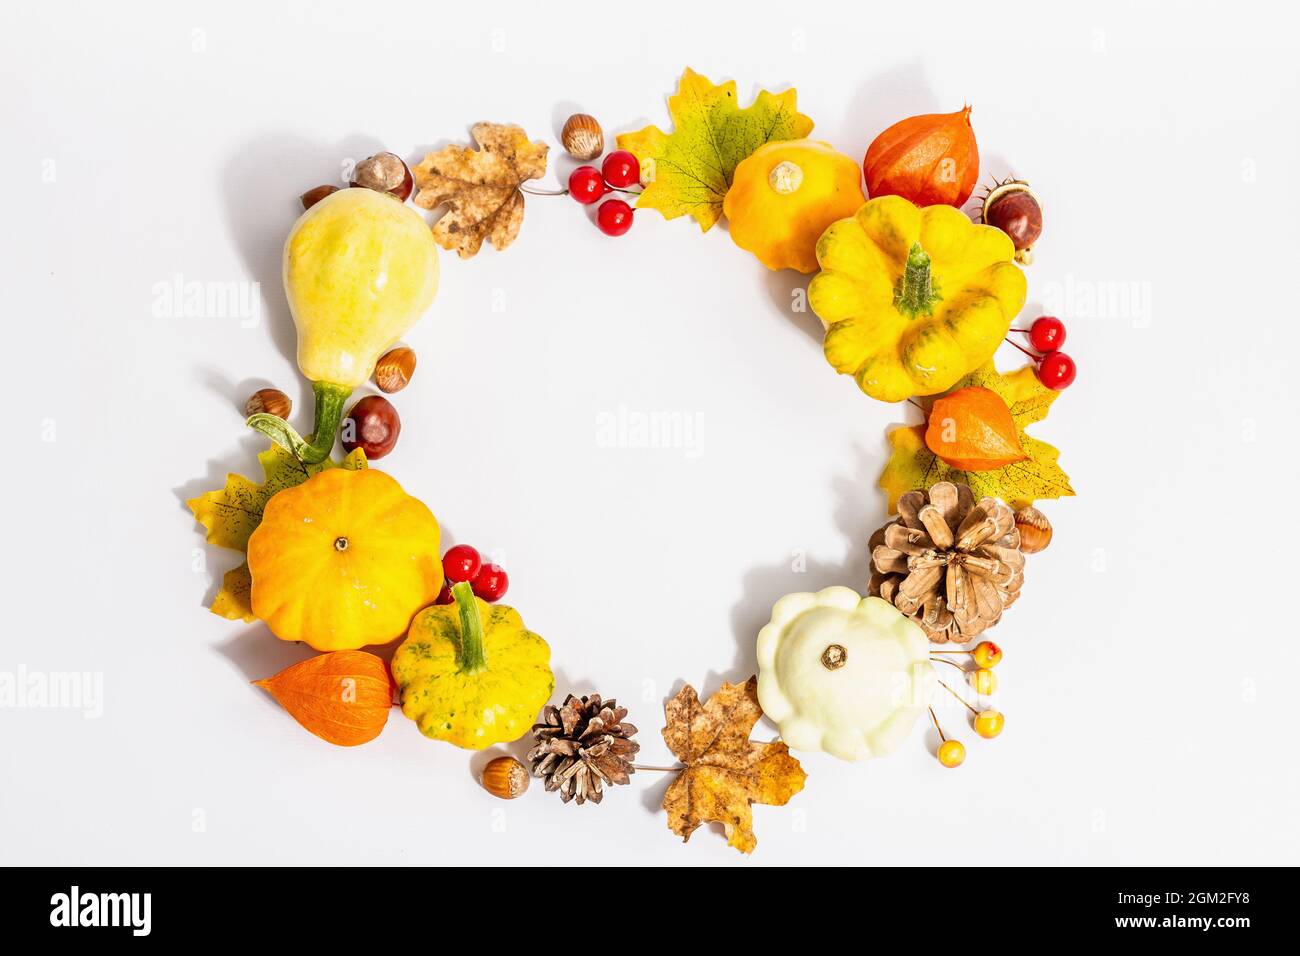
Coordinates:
(842, 673)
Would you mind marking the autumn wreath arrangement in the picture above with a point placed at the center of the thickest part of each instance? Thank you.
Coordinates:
(915, 296)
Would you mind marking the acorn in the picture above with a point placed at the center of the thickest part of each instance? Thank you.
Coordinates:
(582, 137)
(1013, 207)
(505, 777)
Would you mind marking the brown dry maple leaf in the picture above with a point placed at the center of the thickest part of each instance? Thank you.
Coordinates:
(725, 771)
(480, 187)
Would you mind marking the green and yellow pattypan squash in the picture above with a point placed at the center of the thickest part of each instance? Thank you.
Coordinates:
(471, 674)
(360, 268)
(842, 673)
(913, 299)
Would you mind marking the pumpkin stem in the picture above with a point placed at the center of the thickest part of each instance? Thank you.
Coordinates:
(317, 447)
(916, 293)
(472, 657)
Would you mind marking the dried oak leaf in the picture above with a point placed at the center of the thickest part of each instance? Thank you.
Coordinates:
(913, 465)
(480, 187)
(724, 771)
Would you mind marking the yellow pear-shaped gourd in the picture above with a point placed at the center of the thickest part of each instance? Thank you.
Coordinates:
(785, 194)
(360, 268)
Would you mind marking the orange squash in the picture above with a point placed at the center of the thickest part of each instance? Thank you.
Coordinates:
(343, 560)
(931, 160)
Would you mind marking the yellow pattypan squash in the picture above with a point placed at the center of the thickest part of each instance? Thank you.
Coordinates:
(360, 269)
(842, 673)
(471, 674)
(913, 299)
(785, 194)
(343, 560)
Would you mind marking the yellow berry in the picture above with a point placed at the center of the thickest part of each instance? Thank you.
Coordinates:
(952, 753)
(987, 654)
(984, 681)
(989, 723)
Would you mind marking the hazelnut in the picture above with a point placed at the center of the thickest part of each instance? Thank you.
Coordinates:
(312, 196)
(268, 401)
(385, 173)
(505, 777)
(582, 137)
(1035, 530)
(394, 369)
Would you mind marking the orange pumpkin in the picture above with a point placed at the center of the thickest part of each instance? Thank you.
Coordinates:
(343, 560)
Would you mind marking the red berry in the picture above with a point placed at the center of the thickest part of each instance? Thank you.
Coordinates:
(621, 169)
(1047, 333)
(445, 596)
(614, 217)
(1056, 370)
(586, 185)
(461, 563)
(491, 582)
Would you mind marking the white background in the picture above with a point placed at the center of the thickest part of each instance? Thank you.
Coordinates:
(1148, 669)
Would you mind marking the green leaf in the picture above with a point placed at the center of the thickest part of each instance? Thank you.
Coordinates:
(232, 513)
(912, 465)
(693, 166)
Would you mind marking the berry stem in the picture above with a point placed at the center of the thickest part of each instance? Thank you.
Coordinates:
(543, 192)
(944, 660)
(942, 738)
(1033, 355)
(640, 766)
(960, 698)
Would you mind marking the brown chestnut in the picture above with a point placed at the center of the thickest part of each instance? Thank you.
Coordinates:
(1012, 207)
(372, 425)
(312, 196)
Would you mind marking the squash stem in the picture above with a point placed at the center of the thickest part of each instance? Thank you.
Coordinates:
(318, 446)
(916, 292)
(472, 657)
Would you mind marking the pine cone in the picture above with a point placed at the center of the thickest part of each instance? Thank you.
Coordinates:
(582, 744)
(948, 562)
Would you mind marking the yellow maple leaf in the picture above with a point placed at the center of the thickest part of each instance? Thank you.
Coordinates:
(234, 601)
(689, 171)
(912, 465)
(230, 515)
